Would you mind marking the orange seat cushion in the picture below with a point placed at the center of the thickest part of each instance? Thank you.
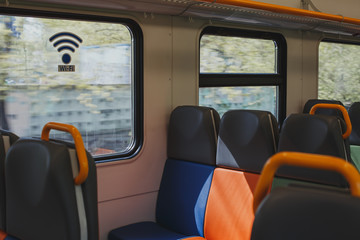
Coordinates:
(229, 213)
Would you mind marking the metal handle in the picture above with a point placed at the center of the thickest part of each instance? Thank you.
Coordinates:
(79, 146)
(343, 111)
(305, 160)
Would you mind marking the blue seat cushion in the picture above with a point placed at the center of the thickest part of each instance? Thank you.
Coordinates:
(183, 195)
(143, 230)
(181, 205)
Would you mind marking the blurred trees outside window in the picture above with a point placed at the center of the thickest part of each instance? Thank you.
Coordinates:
(96, 98)
(339, 72)
(238, 55)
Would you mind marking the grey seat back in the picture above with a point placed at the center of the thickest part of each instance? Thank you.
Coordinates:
(304, 213)
(192, 141)
(330, 112)
(192, 135)
(42, 201)
(6, 140)
(312, 134)
(307, 212)
(247, 138)
(354, 114)
(354, 139)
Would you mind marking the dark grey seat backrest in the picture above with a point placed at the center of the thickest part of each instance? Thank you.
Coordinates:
(192, 141)
(41, 198)
(330, 112)
(354, 114)
(193, 134)
(247, 138)
(6, 140)
(304, 213)
(318, 134)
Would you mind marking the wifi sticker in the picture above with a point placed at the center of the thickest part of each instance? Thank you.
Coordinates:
(67, 42)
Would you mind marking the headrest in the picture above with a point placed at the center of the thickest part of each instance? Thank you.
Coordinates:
(312, 134)
(193, 134)
(330, 112)
(6, 140)
(354, 114)
(247, 138)
(307, 214)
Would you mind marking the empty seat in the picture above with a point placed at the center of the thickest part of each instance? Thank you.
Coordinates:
(6, 140)
(318, 134)
(354, 139)
(354, 114)
(330, 112)
(299, 213)
(247, 138)
(49, 195)
(337, 109)
(185, 184)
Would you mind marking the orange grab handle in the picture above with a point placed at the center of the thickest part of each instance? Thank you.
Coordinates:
(285, 10)
(79, 146)
(343, 111)
(305, 160)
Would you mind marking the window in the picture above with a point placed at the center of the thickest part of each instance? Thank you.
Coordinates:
(242, 70)
(339, 71)
(79, 70)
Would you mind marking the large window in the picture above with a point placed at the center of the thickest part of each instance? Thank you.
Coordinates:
(82, 72)
(339, 72)
(242, 70)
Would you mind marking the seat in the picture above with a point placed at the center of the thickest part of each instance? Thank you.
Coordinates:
(49, 195)
(329, 112)
(6, 140)
(354, 139)
(247, 138)
(318, 134)
(187, 175)
(338, 110)
(299, 213)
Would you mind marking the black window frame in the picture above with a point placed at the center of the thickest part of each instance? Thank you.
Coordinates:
(137, 86)
(277, 79)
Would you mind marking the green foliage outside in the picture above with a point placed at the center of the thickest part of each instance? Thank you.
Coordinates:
(219, 54)
(339, 72)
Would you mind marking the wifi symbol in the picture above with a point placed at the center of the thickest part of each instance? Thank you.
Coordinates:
(66, 42)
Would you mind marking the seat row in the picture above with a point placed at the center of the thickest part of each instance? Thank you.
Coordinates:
(207, 186)
(310, 212)
(212, 169)
(299, 212)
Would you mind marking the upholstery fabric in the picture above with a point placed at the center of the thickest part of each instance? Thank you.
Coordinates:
(247, 139)
(304, 213)
(193, 134)
(312, 134)
(183, 196)
(229, 212)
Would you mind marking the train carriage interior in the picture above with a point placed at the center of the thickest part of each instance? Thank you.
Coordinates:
(179, 119)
